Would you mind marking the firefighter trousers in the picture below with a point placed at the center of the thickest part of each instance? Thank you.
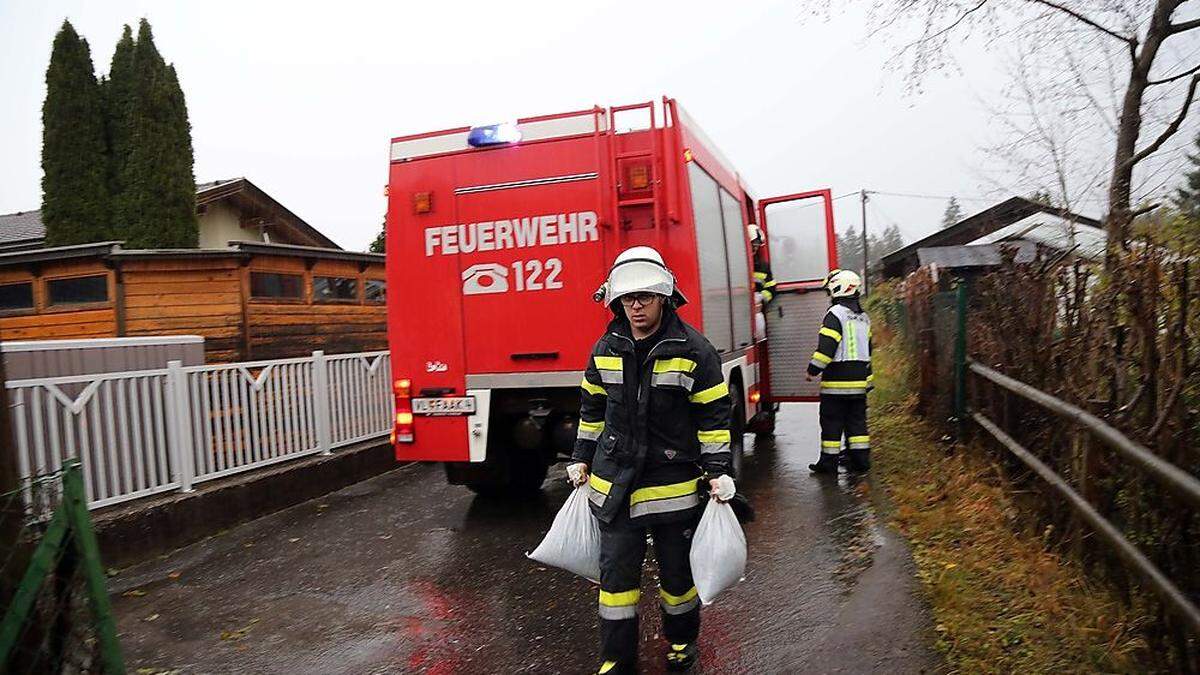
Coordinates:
(622, 552)
(844, 415)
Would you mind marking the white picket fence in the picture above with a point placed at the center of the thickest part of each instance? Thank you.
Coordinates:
(145, 432)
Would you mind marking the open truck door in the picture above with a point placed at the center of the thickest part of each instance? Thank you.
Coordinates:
(802, 247)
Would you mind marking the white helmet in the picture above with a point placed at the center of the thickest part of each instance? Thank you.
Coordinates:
(755, 233)
(842, 283)
(639, 270)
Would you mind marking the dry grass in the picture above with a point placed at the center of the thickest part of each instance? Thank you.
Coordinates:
(1002, 599)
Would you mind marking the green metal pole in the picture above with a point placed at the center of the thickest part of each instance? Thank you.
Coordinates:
(39, 566)
(960, 353)
(75, 502)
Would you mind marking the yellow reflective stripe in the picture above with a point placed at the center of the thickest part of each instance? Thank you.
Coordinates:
(831, 444)
(607, 667)
(760, 276)
(677, 599)
(718, 436)
(870, 377)
(599, 484)
(856, 384)
(825, 330)
(818, 356)
(591, 426)
(646, 494)
(859, 439)
(607, 362)
(711, 394)
(770, 284)
(674, 365)
(593, 389)
(622, 599)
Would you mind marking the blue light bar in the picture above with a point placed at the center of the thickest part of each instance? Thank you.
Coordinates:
(494, 134)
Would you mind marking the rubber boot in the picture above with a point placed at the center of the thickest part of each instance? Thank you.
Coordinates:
(860, 461)
(682, 657)
(614, 668)
(828, 463)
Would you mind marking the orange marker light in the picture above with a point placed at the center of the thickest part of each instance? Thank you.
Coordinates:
(422, 202)
(639, 176)
(755, 397)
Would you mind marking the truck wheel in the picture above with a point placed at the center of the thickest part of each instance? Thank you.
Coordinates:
(737, 440)
(522, 474)
(765, 427)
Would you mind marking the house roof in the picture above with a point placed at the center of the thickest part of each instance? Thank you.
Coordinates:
(976, 255)
(112, 250)
(980, 225)
(25, 229)
(256, 204)
(21, 229)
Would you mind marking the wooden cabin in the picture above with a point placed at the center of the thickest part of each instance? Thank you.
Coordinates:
(286, 294)
(250, 301)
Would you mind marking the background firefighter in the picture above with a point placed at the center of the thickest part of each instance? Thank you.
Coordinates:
(843, 360)
(654, 421)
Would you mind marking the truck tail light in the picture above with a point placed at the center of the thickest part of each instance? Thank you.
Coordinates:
(755, 396)
(402, 431)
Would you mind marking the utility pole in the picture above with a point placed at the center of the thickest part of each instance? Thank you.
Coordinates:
(865, 250)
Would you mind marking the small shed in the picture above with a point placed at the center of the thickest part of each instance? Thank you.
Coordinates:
(249, 300)
(974, 242)
(263, 284)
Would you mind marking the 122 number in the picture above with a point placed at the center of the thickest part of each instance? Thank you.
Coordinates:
(529, 272)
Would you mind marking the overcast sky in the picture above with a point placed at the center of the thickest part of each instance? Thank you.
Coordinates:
(303, 101)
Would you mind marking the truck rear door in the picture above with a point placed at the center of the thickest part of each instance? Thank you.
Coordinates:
(530, 255)
(803, 249)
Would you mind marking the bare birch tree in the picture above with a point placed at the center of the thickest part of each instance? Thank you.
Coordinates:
(1062, 50)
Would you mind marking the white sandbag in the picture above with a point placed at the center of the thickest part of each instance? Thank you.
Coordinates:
(573, 542)
(718, 552)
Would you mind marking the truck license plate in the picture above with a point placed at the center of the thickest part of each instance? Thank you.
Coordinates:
(444, 405)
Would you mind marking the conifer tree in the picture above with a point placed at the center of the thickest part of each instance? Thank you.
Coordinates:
(75, 201)
(117, 102)
(156, 205)
(1187, 198)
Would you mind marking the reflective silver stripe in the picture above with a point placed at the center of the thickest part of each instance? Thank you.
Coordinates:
(831, 451)
(589, 434)
(549, 180)
(842, 392)
(817, 364)
(860, 446)
(713, 448)
(679, 609)
(618, 613)
(664, 505)
(596, 497)
(673, 379)
(612, 376)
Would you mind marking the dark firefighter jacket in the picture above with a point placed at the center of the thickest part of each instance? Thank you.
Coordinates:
(764, 283)
(649, 430)
(843, 356)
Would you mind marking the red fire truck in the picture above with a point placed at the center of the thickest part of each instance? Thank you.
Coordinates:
(498, 237)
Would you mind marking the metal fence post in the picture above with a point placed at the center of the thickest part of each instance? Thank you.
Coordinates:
(960, 353)
(180, 425)
(321, 405)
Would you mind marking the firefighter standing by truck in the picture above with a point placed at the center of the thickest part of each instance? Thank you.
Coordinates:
(843, 361)
(654, 426)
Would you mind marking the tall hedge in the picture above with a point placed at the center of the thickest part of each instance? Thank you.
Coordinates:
(75, 194)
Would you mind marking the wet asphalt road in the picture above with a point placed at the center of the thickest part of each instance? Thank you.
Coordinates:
(404, 573)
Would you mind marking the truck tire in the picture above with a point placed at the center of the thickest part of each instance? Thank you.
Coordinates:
(522, 474)
(737, 432)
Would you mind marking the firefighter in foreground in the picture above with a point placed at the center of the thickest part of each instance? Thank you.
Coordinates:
(843, 361)
(654, 427)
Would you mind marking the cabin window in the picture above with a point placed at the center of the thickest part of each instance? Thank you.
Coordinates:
(375, 290)
(335, 289)
(78, 290)
(16, 296)
(275, 286)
